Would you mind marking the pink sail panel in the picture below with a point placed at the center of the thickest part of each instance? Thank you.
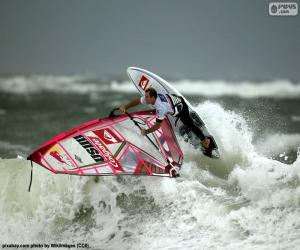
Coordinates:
(112, 146)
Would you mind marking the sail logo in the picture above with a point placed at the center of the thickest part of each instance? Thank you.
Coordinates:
(143, 83)
(89, 148)
(107, 136)
(107, 154)
(56, 153)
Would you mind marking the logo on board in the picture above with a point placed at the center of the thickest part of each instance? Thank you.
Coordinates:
(143, 82)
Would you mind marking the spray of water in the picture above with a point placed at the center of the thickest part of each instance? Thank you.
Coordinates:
(244, 200)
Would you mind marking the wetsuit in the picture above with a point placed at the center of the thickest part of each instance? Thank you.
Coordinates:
(175, 105)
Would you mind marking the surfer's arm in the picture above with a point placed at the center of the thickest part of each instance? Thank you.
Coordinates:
(161, 115)
(131, 104)
(155, 127)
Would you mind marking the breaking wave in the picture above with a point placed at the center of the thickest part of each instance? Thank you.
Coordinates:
(24, 85)
(244, 200)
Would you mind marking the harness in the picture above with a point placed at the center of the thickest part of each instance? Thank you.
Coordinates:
(177, 104)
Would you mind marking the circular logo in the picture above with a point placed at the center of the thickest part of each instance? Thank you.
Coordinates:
(274, 9)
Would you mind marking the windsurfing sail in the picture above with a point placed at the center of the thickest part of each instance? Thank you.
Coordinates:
(113, 146)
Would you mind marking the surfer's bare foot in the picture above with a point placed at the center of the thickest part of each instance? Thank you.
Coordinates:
(206, 143)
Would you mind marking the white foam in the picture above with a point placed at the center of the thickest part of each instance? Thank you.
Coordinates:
(257, 207)
(276, 144)
(88, 85)
(272, 190)
(23, 85)
(295, 118)
(58, 209)
(242, 201)
(16, 148)
(278, 89)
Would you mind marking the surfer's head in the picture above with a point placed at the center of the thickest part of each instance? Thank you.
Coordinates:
(150, 95)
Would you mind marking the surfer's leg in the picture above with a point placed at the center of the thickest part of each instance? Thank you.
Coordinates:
(184, 116)
(187, 121)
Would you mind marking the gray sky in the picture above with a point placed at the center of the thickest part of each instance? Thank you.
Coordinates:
(231, 40)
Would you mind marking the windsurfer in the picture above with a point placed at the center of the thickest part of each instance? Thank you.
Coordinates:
(167, 105)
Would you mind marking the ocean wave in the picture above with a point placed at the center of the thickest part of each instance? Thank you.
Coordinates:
(230, 203)
(13, 148)
(274, 89)
(278, 144)
(23, 85)
(295, 118)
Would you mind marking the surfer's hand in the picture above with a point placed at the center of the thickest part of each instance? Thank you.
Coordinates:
(123, 109)
(143, 131)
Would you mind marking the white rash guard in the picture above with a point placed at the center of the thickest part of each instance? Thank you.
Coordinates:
(162, 105)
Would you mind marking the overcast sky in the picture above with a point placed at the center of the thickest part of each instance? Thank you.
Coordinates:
(231, 40)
